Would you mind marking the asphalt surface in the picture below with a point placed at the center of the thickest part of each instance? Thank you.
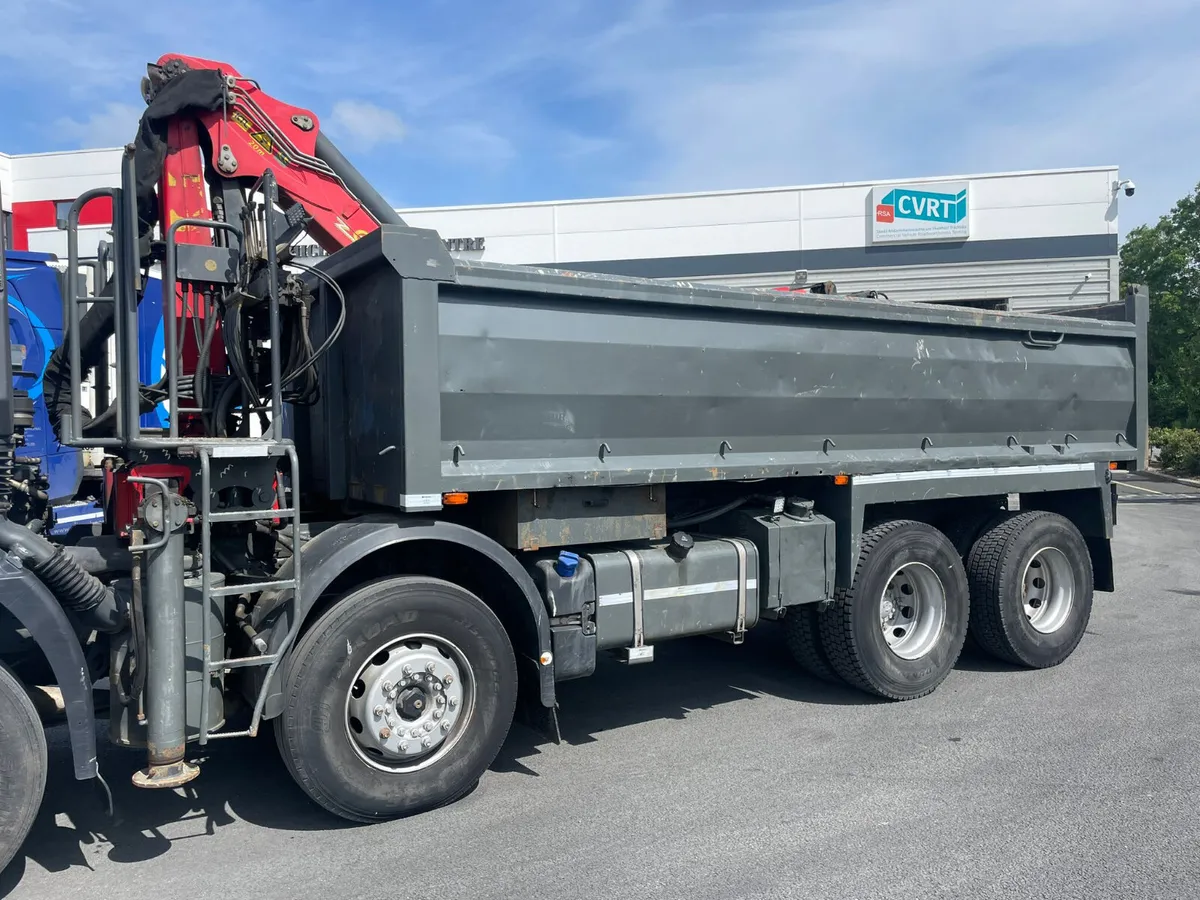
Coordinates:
(1149, 488)
(721, 772)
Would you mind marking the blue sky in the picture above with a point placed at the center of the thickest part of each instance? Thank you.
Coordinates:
(466, 101)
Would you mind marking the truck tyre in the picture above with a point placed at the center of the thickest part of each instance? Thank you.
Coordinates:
(397, 699)
(963, 532)
(22, 765)
(898, 631)
(803, 634)
(1031, 589)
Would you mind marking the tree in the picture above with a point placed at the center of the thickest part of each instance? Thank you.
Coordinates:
(1166, 258)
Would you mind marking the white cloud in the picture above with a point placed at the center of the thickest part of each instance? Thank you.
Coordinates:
(865, 89)
(658, 95)
(473, 142)
(364, 124)
(113, 126)
(572, 146)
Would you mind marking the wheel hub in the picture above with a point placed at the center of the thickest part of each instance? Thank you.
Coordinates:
(409, 703)
(912, 610)
(412, 703)
(1048, 590)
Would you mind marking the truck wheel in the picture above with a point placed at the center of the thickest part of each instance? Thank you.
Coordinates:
(802, 630)
(898, 631)
(22, 765)
(397, 699)
(1031, 589)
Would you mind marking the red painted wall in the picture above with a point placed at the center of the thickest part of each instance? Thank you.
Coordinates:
(41, 214)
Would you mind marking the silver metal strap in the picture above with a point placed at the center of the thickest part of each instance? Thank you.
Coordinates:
(740, 628)
(635, 568)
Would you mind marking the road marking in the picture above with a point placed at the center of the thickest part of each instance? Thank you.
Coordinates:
(1138, 487)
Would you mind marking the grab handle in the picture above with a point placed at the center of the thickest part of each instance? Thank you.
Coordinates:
(1048, 342)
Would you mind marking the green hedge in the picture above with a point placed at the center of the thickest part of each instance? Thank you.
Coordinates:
(1179, 449)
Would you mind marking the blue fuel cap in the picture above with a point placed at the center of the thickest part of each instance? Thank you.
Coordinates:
(567, 563)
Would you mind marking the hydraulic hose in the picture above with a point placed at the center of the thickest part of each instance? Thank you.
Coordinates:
(96, 604)
(708, 515)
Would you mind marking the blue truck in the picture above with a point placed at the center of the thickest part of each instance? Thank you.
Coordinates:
(35, 310)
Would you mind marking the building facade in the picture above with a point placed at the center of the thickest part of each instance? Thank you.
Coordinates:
(1024, 240)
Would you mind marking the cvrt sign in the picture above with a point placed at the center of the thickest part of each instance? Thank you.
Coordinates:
(920, 212)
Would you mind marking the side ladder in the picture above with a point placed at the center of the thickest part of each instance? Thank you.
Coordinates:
(289, 511)
(129, 438)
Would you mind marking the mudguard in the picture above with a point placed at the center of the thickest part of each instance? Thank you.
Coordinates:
(30, 601)
(335, 549)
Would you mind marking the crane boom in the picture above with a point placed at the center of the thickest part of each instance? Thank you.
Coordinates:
(242, 132)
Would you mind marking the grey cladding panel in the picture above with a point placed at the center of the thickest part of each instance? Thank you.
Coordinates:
(937, 253)
(536, 380)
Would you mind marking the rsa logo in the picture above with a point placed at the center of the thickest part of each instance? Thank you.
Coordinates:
(885, 212)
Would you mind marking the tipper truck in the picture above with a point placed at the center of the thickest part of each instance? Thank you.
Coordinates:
(398, 496)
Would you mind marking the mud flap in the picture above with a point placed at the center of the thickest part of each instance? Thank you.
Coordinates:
(30, 601)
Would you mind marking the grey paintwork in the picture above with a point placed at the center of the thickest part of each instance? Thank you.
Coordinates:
(711, 563)
(38, 610)
(795, 555)
(848, 504)
(533, 520)
(1137, 311)
(166, 639)
(335, 547)
(941, 253)
(462, 375)
(125, 728)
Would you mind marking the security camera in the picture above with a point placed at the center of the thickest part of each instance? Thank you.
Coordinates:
(1128, 185)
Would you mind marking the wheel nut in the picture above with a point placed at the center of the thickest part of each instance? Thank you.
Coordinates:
(441, 700)
(407, 670)
(385, 732)
(437, 713)
(437, 685)
(449, 679)
(378, 712)
(427, 743)
(446, 725)
(429, 726)
(387, 687)
(404, 746)
(416, 732)
(429, 667)
(453, 702)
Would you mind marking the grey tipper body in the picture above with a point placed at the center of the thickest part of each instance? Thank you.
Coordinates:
(466, 376)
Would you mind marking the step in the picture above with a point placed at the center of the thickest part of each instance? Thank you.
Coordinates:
(250, 515)
(252, 587)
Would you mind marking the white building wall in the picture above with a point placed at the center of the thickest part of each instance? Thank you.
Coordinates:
(826, 230)
(6, 185)
(756, 237)
(1003, 207)
(64, 175)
